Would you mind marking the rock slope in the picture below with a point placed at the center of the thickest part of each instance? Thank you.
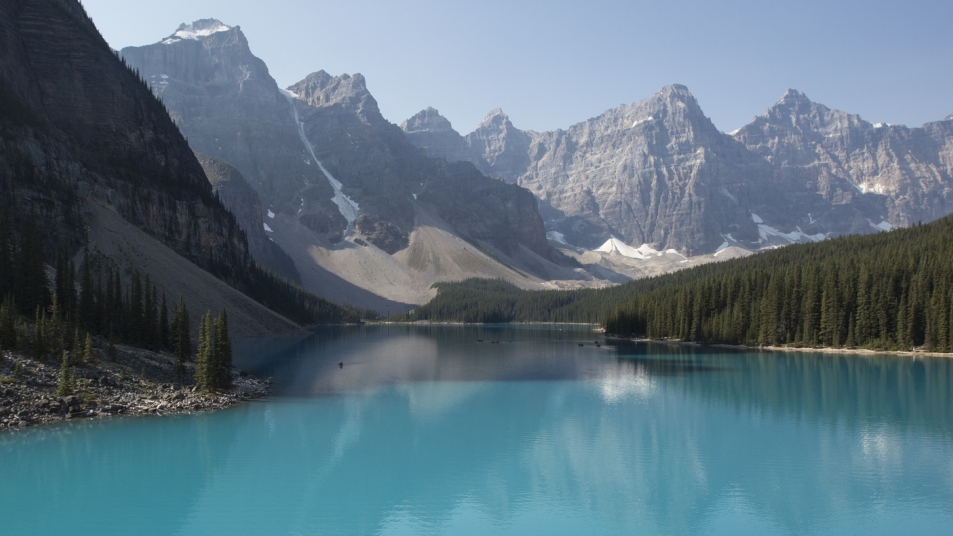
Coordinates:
(77, 125)
(242, 201)
(92, 159)
(658, 172)
(332, 170)
(130, 382)
(905, 172)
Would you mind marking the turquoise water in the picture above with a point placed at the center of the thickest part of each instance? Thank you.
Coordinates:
(426, 431)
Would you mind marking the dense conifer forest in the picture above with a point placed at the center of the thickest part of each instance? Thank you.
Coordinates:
(495, 301)
(883, 291)
(51, 309)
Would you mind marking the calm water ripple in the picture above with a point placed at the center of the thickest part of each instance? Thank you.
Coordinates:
(424, 430)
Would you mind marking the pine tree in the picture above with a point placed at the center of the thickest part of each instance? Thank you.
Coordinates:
(85, 309)
(181, 341)
(77, 346)
(66, 384)
(223, 353)
(89, 355)
(204, 356)
(8, 319)
(164, 341)
(38, 342)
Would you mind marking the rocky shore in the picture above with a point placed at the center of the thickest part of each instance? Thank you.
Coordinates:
(916, 353)
(130, 382)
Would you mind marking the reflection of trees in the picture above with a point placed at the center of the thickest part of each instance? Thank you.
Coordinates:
(843, 389)
(657, 440)
(136, 475)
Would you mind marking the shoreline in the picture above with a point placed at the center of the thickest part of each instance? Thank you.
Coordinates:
(823, 350)
(455, 323)
(135, 382)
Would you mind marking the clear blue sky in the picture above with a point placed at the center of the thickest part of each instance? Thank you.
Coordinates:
(549, 64)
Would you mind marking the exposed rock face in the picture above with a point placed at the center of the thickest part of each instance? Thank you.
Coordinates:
(78, 127)
(242, 201)
(229, 107)
(658, 172)
(496, 147)
(385, 175)
(381, 233)
(320, 152)
(907, 168)
(432, 132)
(501, 146)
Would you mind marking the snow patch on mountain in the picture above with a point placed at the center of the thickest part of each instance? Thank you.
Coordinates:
(556, 236)
(640, 121)
(797, 236)
(196, 30)
(347, 206)
(614, 245)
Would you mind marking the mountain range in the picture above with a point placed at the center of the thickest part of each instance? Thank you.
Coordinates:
(659, 173)
(367, 218)
(225, 168)
(373, 214)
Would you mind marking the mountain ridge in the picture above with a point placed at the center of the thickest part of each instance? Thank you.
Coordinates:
(336, 174)
(656, 171)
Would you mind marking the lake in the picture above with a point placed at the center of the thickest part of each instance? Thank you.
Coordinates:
(424, 430)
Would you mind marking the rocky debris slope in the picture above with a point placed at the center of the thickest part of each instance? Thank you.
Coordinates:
(658, 172)
(134, 382)
(77, 125)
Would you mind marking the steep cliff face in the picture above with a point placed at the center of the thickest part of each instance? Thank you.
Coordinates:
(434, 134)
(242, 201)
(904, 170)
(500, 148)
(320, 152)
(659, 173)
(230, 108)
(357, 207)
(78, 127)
(496, 147)
(383, 175)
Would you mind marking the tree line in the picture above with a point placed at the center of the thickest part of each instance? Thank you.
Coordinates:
(492, 301)
(882, 291)
(886, 291)
(58, 322)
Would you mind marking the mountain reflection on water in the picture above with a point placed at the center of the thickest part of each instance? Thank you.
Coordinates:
(426, 430)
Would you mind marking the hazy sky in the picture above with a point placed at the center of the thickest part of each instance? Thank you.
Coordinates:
(549, 64)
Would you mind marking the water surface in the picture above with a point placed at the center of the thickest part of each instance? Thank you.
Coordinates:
(424, 430)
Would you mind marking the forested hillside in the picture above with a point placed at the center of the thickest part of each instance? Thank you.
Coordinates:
(886, 291)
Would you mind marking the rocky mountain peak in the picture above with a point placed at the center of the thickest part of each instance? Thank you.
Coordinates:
(495, 119)
(321, 89)
(428, 120)
(198, 30)
(949, 118)
(793, 104)
(673, 104)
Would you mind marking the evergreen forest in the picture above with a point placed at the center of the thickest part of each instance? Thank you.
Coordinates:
(887, 291)
(891, 290)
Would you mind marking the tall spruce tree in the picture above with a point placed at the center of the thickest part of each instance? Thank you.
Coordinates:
(223, 353)
(204, 355)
